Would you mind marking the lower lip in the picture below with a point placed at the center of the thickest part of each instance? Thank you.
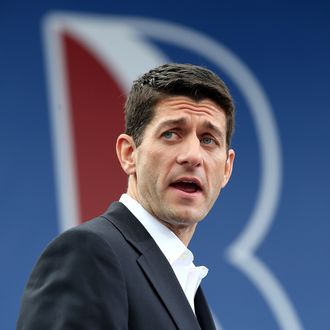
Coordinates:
(185, 194)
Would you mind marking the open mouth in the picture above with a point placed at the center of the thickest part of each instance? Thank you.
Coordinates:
(186, 186)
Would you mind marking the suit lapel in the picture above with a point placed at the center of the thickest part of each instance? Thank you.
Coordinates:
(203, 312)
(155, 266)
(165, 283)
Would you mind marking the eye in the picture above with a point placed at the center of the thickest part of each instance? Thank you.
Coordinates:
(168, 135)
(208, 140)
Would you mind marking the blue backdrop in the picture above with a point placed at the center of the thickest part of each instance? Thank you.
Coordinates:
(266, 242)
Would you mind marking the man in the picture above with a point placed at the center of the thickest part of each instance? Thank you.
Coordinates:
(130, 268)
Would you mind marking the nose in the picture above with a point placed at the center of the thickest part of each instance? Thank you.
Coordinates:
(190, 153)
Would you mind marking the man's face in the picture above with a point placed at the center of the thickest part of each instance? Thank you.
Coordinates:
(182, 163)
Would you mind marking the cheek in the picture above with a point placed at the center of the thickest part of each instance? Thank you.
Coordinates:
(158, 157)
(151, 165)
(216, 171)
(146, 157)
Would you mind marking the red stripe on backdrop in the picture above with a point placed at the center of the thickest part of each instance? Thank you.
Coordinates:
(96, 110)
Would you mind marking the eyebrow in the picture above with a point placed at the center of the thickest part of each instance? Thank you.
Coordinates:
(183, 121)
(172, 122)
(217, 131)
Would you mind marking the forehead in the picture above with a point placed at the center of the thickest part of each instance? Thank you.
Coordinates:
(181, 106)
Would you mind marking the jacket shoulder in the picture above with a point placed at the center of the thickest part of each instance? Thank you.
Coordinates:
(79, 273)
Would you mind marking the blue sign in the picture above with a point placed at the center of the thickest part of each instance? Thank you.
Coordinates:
(67, 71)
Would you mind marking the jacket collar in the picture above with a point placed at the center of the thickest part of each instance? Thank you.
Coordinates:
(156, 267)
(203, 312)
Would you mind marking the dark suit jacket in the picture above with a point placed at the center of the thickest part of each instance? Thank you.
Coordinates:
(108, 273)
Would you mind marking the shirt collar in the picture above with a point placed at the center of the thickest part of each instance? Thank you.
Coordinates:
(171, 246)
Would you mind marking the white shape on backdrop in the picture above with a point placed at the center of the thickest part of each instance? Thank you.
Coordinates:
(127, 56)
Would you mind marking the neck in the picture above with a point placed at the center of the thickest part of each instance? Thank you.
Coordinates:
(184, 233)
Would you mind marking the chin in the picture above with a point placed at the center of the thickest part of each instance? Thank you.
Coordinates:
(187, 218)
(185, 214)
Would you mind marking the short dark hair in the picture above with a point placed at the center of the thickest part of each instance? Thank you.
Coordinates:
(170, 80)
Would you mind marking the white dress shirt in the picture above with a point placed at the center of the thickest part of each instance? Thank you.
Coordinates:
(177, 254)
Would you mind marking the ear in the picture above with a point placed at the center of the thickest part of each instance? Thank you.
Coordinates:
(228, 167)
(125, 148)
